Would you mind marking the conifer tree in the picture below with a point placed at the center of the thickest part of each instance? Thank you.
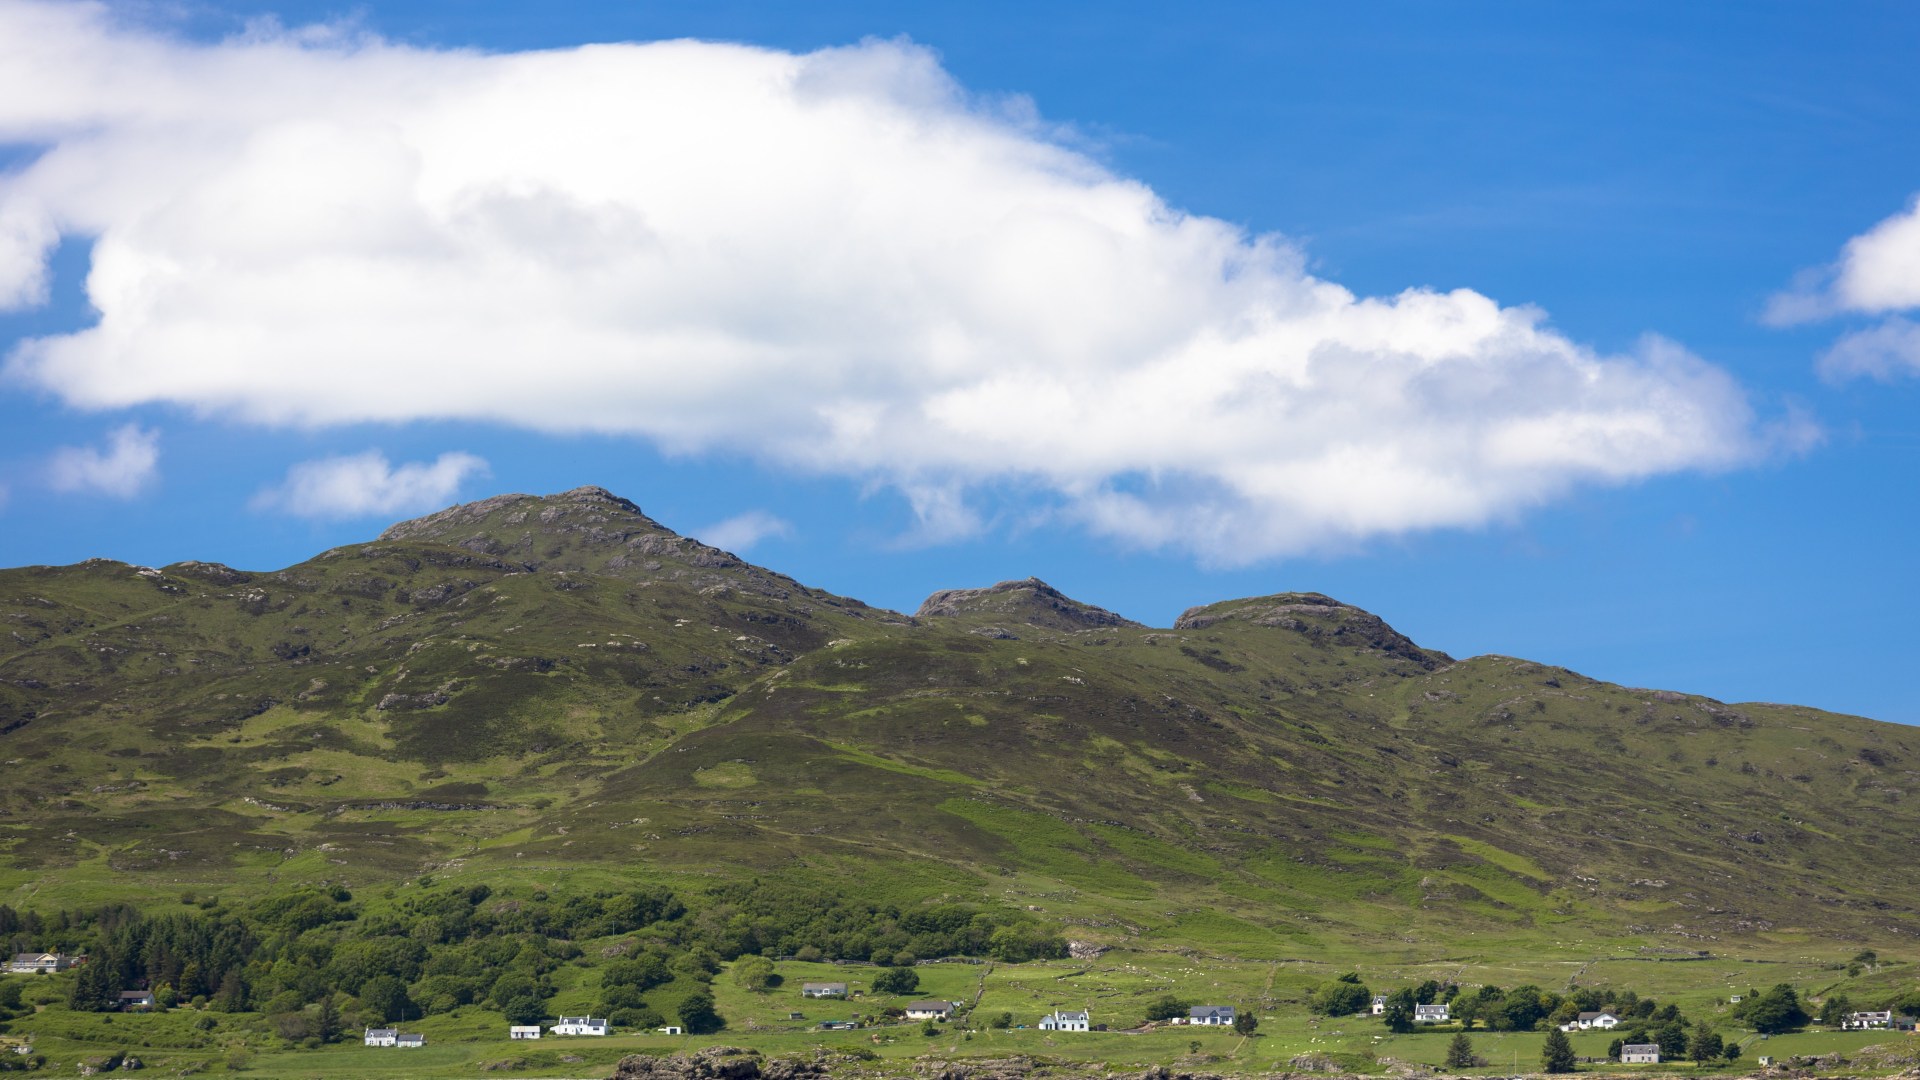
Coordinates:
(1557, 1055)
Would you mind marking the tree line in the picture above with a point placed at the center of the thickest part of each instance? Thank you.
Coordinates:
(319, 961)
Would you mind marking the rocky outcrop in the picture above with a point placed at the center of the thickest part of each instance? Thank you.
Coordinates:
(1032, 602)
(1320, 618)
(722, 1063)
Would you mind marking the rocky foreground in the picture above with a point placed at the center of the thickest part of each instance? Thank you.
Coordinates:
(740, 1063)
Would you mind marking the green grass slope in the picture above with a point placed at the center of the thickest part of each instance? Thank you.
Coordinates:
(561, 690)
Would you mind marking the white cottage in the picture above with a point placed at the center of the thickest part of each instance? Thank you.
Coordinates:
(1640, 1054)
(580, 1025)
(1066, 1020)
(382, 1036)
(1589, 1020)
(523, 1031)
(1211, 1015)
(409, 1039)
(1430, 1014)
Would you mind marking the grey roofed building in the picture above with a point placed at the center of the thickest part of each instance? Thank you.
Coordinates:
(1640, 1054)
(1211, 1015)
(1066, 1020)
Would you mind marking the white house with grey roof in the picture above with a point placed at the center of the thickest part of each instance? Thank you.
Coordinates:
(1211, 1015)
(1430, 1014)
(1066, 1020)
(1640, 1054)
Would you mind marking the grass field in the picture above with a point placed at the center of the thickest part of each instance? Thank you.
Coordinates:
(1116, 988)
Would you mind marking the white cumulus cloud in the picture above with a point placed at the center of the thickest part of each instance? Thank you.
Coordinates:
(361, 485)
(743, 531)
(837, 261)
(1877, 274)
(129, 462)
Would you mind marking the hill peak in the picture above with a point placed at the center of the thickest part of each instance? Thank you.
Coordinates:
(1318, 616)
(589, 505)
(1030, 602)
(590, 529)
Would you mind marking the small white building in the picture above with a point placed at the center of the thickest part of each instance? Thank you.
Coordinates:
(410, 1039)
(823, 989)
(523, 1031)
(1211, 1015)
(1430, 1014)
(581, 1025)
(929, 1010)
(1066, 1020)
(1640, 1054)
(1588, 1020)
(1867, 1021)
(1379, 1004)
(382, 1036)
(673, 1029)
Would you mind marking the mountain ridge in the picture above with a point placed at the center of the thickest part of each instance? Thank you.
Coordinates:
(611, 699)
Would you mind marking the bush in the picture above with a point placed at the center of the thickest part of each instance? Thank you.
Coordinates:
(1340, 998)
(1167, 1007)
(901, 980)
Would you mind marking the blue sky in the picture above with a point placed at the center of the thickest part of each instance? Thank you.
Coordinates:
(899, 298)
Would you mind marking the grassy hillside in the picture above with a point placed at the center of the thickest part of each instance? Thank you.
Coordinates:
(560, 692)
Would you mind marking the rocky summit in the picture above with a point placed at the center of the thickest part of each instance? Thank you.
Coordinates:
(1031, 602)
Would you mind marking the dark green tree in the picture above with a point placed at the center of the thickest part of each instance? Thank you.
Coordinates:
(385, 997)
(1167, 1007)
(1704, 1045)
(1460, 1052)
(1834, 1009)
(525, 1008)
(326, 1020)
(1776, 1011)
(1245, 1023)
(1672, 1038)
(93, 988)
(1341, 997)
(902, 980)
(1001, 1022)
(1399, 1010)
(1557, 1055)
(1614, 1048)
(697, 1014)
(1731, 1051)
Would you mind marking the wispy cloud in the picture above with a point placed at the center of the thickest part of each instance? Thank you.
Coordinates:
(362, 485)
(129, 462)
(838, 261)
(744, 531)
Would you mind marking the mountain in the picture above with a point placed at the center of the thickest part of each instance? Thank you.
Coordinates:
(560, 689)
